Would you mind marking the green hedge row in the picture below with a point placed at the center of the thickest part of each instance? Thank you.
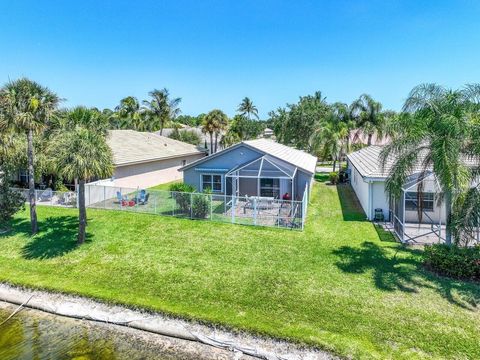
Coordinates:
(453, 261)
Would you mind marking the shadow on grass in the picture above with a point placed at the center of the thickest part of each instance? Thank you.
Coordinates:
(57, 237)
(395, 267)
(351, 208)
(321, 177)
(384, 235)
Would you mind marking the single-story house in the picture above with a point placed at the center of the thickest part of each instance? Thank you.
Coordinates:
(368, 181)
(144, 159)
(258, 167)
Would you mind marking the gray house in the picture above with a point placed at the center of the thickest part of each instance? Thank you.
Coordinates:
(255, 168)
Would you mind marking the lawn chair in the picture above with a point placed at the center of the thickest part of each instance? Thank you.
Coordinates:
(46, 195)
(119, 198)
(143, 200)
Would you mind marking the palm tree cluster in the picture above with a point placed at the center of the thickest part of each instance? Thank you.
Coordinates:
(328, 130)
(71, 142)
(150, 115)
(439, 131)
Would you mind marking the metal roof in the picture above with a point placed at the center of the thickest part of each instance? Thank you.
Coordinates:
(298, 158)
(133, 147)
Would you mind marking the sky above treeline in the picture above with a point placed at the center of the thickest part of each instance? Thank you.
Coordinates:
(214, 53)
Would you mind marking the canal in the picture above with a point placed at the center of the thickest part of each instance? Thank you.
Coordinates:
(32, 334)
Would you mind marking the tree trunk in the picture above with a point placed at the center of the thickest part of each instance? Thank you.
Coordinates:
(334, 164)
(211, 143)
(31, 183)
(369, 139)
(82, 212)
(448, 208)
(216, 141)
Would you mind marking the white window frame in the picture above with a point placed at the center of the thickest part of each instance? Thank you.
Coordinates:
(211, 183)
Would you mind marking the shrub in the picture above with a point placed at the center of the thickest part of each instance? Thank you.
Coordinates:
(453, 261)
(182, 187)
(188, 136)
(200, 206)
(333, 176)
(182, 195)
(11, 201)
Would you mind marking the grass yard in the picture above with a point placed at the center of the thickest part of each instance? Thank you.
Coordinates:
(165, 186)
(342, 284)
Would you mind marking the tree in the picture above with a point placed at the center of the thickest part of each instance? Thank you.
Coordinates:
(27, 107)
(331, 138)
(188, 136)
(213, 124)
(162, 109)
(82, 153)
(296, 124)
(439, 131)
(129, 114)
(370, 119)
(247, 109)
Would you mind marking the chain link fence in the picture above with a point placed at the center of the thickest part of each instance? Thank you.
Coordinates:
(257, 211)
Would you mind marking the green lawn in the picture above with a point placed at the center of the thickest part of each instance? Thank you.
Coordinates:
(165, 186)
(342, 284)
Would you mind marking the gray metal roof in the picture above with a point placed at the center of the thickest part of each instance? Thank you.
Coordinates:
(132, 147)
(298, 158)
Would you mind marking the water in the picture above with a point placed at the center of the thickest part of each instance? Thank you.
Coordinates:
(36, 335)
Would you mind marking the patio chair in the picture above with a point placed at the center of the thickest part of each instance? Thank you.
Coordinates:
(46, 195)
(119, 198)
(143, 201)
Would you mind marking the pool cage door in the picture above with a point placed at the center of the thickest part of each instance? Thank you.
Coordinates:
(418, 215)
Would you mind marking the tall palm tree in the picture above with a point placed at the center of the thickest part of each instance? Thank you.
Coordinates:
(246, 108)
(370, 119)
(27, 107)
(344, 114)
(129, 113)
(214, 124)
(82, 153)
(438, 131)
(162, 108)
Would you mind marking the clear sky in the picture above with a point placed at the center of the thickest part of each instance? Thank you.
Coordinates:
(214, 53)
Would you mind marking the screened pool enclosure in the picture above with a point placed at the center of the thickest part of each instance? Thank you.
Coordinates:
(418, 215)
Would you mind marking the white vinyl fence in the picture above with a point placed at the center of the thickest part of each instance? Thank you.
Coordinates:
(257, 211)
(52, 198)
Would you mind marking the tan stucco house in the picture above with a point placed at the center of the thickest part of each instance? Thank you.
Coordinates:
(144, 159)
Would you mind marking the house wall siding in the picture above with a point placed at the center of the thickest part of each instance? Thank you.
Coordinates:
(380, 199)
(151, 173)
(360, 187)
(227, 160)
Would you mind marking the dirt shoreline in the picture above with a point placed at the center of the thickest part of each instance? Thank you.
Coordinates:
(208, 340)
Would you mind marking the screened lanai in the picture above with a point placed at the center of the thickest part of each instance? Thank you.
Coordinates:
(418, 215)
(264, 177)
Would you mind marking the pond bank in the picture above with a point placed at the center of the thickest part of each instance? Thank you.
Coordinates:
(207, 340)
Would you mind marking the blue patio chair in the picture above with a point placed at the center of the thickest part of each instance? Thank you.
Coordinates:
(119, 197)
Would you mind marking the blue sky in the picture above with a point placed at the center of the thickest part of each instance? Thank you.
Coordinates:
(214, 53)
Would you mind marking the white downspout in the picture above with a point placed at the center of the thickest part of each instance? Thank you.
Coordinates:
(370, 200)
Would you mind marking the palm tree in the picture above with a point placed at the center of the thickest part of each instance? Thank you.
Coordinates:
(213, 124)
(27, 107)
(344, 114)
(82, 153)
(129, 112)
(438, 131)
(370, 119)
(161, 108)
(246, 108)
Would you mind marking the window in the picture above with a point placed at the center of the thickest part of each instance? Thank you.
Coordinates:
(184, 162)
(270, 188)
(411, 201)
(23, 176)
(212, 182)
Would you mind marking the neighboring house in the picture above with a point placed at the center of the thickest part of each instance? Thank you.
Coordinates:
(367, 179)
(359, 137)
(268, 133)
(144, 159)
(256, 168)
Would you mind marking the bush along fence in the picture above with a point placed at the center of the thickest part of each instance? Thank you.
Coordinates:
(245, 210)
